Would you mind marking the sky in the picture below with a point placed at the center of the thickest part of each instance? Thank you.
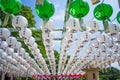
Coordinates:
(58, 16)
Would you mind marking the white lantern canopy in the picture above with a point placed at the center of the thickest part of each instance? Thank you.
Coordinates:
(92, 26)
(72, 25)
(85, 36)
(113, 28)
(101, 38)
(19, 22)
(11, 41)
(30, 41)
(25, 33)
(3, 45)
(4, 33)
(10, 51)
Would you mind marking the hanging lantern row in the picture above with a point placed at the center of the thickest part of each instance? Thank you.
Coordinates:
(105, 54)
(62, 76)
(14, 54)
(48, 38)
(21, 23)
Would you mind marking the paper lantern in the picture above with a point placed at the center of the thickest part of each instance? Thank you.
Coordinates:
(30, 41)
(10, 51)
(113, 28)
(25, 33)
(92, 26)
(46, 10)
(116, 38)
(47, 27)
(78, 8)
(109, 42)
(85, 36)
(33, 47)
(11, 6)
(11, 41)
(103, 11)
(4, 54)
(115, 48)
(102, 48)
(101, 38)
(19, 22)
(4, 33)
(3, 45)
(118, 17)
(21, 52)
(72, 25)
(17, 46)
(95, 43)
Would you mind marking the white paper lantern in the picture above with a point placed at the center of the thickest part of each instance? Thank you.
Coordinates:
(73, 25)
(3, 45)
(47, 26)
(15, 55)
(11, 41)
(92, 26)
(102, 48)
(85, 36)
(17, 46)
(109, 42)
(33, 47)
(19, 22)
(25, 33)
(116, 38)
(30, 41)
(4, 33)
(95, 43)
(4, 55)
(21, 52)
(113, 28)
(115, 48)
(10, 51)
(101, 38)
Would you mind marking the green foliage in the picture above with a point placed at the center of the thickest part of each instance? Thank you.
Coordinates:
(111, 74)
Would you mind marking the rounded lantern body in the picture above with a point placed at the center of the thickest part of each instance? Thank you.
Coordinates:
(118, 17)
(72, 25)
(79, 8)
(25, 33)
(113, 28)
(46, 10)
(4, 33)
(92, 26)
(11, 6)
(19, 22)
(103, 11)
(30, 41)
(10, 51)
(3, 44)
(11, 41)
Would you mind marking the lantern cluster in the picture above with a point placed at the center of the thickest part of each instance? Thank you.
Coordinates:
(20, 23)
(48, 40)
(14, 59)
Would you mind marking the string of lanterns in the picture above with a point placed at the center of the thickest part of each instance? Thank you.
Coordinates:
(102, 50)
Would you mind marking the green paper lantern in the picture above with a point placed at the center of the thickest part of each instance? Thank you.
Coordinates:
(46, 10)
(11, 6)
(78, 8)
(103, 11)
(118, 17)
